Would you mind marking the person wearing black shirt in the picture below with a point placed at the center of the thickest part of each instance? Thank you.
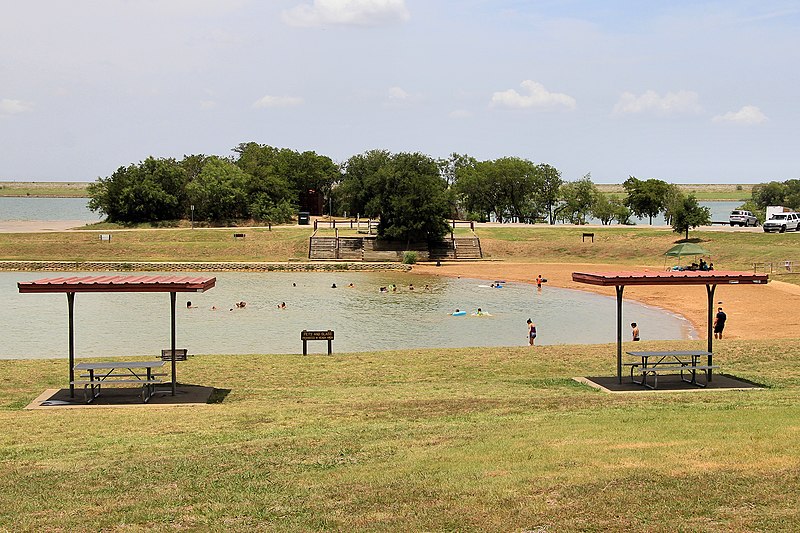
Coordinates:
(719, 323)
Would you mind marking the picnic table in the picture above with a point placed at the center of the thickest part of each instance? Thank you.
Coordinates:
(682, 362)
(118, 372)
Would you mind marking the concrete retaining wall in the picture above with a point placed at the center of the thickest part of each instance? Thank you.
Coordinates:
(134, 266)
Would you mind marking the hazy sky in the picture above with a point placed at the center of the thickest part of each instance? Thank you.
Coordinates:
(685, 91)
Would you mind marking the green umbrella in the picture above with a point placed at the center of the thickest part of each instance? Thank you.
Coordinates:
(686, 248)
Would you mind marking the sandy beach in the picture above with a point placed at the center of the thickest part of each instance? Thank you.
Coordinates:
(39, 226)
(748, 307)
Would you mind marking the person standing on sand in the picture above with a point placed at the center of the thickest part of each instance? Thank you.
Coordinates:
(635, 331)
(531, 332)
(539, 282)
(719, 323)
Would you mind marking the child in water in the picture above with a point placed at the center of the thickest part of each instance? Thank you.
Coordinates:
(531, 332)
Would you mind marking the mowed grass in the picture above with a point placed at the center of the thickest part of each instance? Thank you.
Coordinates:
(478, 439)
(280, 244)
(625, 245)
(41, 188)
(636, 245)
(703, 192)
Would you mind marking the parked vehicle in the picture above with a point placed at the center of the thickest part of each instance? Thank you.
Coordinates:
(743, 218)
(781, 222)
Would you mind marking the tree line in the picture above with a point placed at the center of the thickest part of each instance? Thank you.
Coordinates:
(412, 194)
(783, 193)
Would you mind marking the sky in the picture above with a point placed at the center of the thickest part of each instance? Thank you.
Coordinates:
(684, 91)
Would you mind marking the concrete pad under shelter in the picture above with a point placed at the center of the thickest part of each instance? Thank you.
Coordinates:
(122, 397)
(668, 383)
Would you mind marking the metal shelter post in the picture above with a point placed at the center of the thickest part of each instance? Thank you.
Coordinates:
(620, 289)
(710, 292)
(71, 306)
(172, 297)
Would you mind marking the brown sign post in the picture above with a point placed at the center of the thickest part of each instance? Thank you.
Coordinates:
(306, 336)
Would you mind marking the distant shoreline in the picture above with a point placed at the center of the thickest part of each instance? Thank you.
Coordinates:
(707, 192)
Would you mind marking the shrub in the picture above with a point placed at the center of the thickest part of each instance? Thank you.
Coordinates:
(410, 258)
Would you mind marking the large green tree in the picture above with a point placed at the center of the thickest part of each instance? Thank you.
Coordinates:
(646, 198)
(358, 190)
(478, 194)
(690, 214)
(608, 209)
(577, 198)
(547, 184)
(413, 199)
(150, 191)
(219, 191)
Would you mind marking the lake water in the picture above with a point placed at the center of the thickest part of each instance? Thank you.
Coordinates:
(35, 325)
(75, 209)
(24, 208)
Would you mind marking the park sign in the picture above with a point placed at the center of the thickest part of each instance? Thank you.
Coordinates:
(325, 335)
(306, 335)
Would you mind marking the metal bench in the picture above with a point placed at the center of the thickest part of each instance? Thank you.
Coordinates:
(91, 388)
(180, 354)
(671, 368)
(239, 235)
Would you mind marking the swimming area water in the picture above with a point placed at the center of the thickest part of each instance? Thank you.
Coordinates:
(363, 318)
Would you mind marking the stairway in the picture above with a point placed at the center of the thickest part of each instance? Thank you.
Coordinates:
(467, 248)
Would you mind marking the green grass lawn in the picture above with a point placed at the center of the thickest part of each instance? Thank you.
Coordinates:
(288, 242)
(703, 192)
(474, 439)
(42, 188)
(637, 245)
(540, 243)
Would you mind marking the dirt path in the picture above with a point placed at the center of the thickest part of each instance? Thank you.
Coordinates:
(748, 307)
(39, 226)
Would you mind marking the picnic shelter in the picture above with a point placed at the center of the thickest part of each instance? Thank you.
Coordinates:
(619, 280)
(117, 283)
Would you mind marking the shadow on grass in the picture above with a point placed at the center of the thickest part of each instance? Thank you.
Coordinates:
(218, 395)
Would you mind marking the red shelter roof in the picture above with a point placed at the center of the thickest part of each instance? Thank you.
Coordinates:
(671, 277)
(118, 284)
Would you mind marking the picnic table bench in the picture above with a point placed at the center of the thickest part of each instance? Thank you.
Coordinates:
(680, 362)
(118, 373)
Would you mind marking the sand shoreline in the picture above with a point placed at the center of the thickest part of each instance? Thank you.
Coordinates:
(747, 306)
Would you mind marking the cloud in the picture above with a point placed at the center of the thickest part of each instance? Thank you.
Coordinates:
(365, 13)
(277, 101)
(748, 114)
(397, 93)
(652, 102)
(13, 107)
(206, 105)
(537, 97)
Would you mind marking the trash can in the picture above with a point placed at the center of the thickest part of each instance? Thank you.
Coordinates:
(303, 218)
